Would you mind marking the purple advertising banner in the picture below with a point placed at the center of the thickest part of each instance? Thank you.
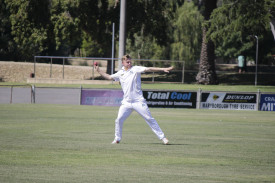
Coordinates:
(101, 97)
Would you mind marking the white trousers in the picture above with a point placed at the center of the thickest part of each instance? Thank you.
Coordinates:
(141, 108)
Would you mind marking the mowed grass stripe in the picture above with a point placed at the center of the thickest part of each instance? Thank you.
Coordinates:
(67, 143)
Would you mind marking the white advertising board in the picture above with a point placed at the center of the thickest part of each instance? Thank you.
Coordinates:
(228, 101)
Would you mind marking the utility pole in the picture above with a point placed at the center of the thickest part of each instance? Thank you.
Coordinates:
(122, 32)
(256, 68)
(113, 48)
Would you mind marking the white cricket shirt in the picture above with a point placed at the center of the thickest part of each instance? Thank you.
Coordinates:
(130, 81)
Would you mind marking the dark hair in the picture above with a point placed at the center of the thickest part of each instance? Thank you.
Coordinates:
(125, 57)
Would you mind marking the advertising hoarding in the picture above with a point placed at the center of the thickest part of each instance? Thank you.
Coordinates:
(267, 102)
(101, 97)
(163, 99)
(170, 99)
(228, 101)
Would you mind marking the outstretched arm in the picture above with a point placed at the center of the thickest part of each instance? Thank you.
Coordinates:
(103, 74)
(156, 69)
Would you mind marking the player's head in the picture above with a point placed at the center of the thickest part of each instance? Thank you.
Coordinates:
(127, 61)
(126, 57)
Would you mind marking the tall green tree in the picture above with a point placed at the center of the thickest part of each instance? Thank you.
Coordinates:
(187, 34)
(65, 26)
(29, 25)
(96, 18)
(150, 33)
(145, 47)
(235, 24)
(8, 47)
(43, 27)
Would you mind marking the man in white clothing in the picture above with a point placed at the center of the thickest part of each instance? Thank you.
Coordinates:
(130, 79)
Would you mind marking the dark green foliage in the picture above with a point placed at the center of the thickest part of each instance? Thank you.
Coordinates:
(155, 29)
(28, 25)
(7, 45)
(234, 25)
(187, 34)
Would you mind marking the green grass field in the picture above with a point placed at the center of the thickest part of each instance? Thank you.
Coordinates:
(67, 143)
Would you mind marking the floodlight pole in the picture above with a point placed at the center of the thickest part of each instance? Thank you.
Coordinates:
(256, 72)
(122, 30)
(113, 48)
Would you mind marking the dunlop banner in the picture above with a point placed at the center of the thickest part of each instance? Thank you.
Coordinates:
(170, 99)
(229, 101)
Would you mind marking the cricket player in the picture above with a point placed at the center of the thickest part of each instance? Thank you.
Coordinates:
(130, 79)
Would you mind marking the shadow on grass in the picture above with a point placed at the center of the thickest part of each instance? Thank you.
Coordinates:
(170, 144)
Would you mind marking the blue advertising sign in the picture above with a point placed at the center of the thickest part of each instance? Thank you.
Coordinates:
(267, 102)
(170, 99)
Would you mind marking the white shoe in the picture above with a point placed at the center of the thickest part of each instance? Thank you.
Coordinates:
(165, 141)
(115, 142)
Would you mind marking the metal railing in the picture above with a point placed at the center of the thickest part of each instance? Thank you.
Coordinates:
(143, 62)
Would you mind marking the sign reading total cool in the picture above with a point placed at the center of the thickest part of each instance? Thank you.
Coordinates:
(170, 99)
(229, 101)
(267, 102)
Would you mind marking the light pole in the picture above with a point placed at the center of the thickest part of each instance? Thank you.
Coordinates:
(256, 73)
(122, 30)
(113, 48)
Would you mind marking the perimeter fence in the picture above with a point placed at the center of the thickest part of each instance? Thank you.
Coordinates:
(199, 99)
(109, 64)
(17, 94)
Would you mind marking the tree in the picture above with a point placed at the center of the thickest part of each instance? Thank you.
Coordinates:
(145, 47)
(29, 25)
(65, 26)
(186, 34)
(58, 27)
(149, 22)
(235, 23)
(8, 49)
(42, 27)
(96, 20)
(207, 71)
